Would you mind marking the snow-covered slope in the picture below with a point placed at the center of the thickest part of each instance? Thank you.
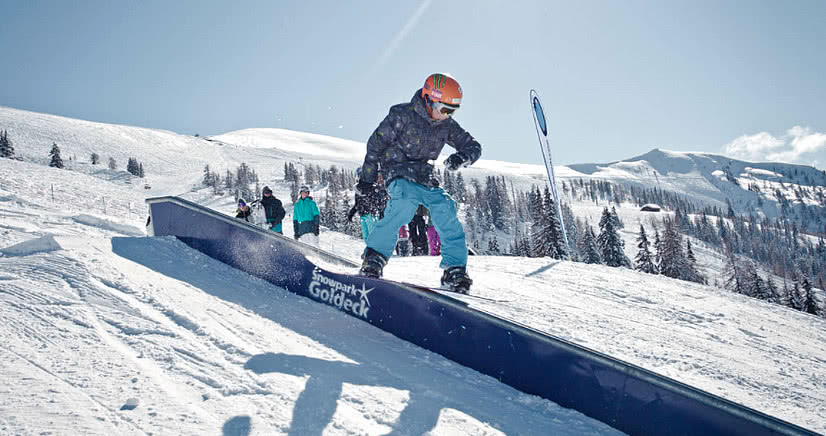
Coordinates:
(95, 315)
(710, 179)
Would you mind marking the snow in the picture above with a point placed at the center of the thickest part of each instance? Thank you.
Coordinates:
(108, 331)
(762, 172)
(43, 244)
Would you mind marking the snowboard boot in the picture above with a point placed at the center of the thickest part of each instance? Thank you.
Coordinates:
(373, 264)
(456, 279)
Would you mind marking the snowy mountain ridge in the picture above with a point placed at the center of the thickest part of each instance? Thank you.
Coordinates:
(712, 179)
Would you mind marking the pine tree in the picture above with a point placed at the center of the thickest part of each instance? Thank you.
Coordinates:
(611, 246)
(643, 261)
(493, 245)
(754, 285)
(141, 174)
(208, 179)
(772, 291)
(328, 214)
(132, 166)
(460, 188)
(572, 229)
(555, 247)
(56, 161)
(692, 273)
(537, 235)
(6, 146)
(618, 224)
(294, 191)
(672, 258)
(447, 184)
(525, 247)
(112, 164)
(470, 222)
(309, 175)
(228, 178)
(809, 303)
(94, 158)
(590, 248)
(795, 299)
(216, 183)
(495, 205)
(658, 250)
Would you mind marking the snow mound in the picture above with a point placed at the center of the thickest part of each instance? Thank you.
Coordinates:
(43, 244)
(105, 224)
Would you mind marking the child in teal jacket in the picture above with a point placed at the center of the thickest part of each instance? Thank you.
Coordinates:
(305, 215)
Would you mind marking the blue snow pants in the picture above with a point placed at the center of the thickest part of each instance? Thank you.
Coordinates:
(405, 198)
(368, 222)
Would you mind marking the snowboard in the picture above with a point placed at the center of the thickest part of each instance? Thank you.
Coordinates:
(445, 292)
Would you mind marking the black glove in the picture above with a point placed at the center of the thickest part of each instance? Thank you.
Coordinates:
(365, 188)
(295, 236)
(455, 161)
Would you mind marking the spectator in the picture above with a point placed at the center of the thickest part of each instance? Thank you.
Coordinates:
(273, 209)
(433, 241)
(305, 218)
(403, 244)
(418, 233)
(243, 212)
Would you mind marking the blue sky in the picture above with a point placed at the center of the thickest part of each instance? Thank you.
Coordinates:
(617, 78)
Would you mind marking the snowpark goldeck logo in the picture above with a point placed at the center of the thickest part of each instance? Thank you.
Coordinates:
(348, 298)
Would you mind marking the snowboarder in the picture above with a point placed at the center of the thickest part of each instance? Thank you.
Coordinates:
(433, 241)
(370, 207)
(305, 218)
(273, 209)
(243, 212)
(409, 136)
(418, 232)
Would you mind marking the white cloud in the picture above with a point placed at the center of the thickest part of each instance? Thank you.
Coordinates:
(799, 145)
(753, 146)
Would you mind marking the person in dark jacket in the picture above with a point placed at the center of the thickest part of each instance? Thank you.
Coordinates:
(306, 221)
(403, 244)
(370, 207)
(273, 209)
(243, 212)
(418, 233)
(410, 136)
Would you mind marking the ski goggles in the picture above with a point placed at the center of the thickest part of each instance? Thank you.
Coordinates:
(444, 108)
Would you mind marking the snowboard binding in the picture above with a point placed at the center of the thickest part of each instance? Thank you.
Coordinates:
(455, 279)
(373, 264)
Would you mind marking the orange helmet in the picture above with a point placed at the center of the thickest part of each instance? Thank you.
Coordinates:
(443, 88)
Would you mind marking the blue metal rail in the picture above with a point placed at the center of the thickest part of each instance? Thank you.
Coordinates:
(624, 396)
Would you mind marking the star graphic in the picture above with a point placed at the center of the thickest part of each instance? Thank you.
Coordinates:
(364, 291)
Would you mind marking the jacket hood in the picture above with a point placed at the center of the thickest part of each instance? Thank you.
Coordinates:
(419, 107)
